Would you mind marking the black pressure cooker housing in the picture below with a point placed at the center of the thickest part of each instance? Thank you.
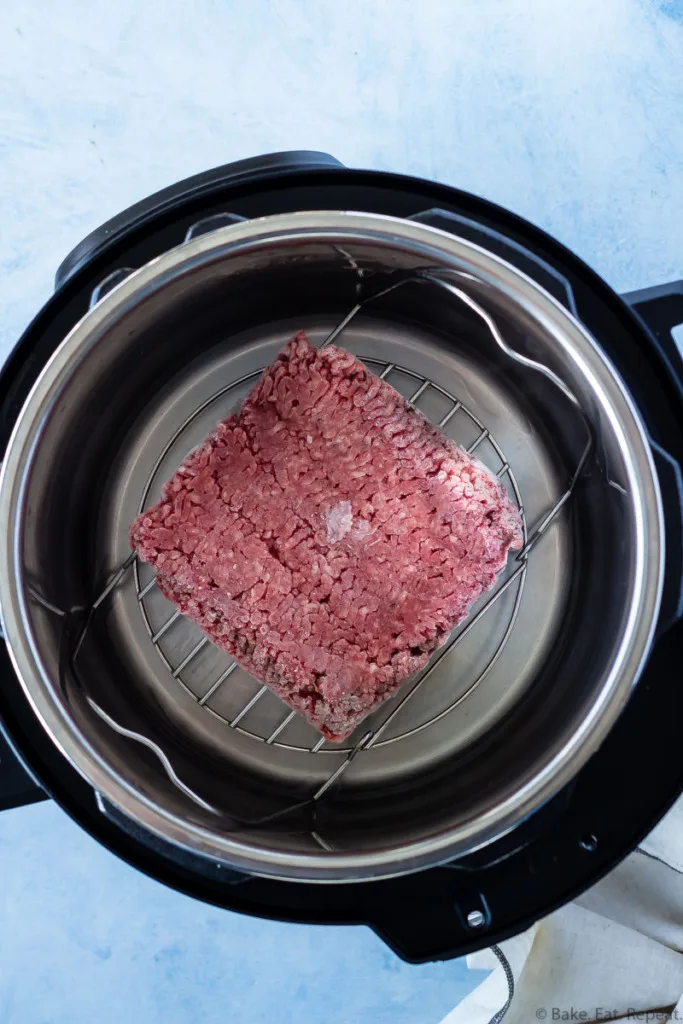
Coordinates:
(636, 775)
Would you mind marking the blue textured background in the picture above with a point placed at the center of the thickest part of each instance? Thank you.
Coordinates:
(570, 114)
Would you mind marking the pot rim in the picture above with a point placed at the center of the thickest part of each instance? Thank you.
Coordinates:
(431, 244)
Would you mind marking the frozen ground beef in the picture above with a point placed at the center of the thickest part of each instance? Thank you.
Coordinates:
(328, 536)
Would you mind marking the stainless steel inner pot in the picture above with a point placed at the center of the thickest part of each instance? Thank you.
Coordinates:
(183, 742)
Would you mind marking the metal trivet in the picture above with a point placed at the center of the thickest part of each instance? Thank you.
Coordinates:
(373, 736)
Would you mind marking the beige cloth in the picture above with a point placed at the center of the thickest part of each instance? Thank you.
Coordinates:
(614, 954)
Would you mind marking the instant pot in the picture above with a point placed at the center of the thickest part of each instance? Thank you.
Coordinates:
(508, 776)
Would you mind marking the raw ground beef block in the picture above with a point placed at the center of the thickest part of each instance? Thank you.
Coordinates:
(328, 536)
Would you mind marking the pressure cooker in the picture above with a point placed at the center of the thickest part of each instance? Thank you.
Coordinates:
(506, 777)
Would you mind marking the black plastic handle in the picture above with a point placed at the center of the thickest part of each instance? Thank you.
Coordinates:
(661, 309)
(198, 184)
(671, 486)
(17, 787)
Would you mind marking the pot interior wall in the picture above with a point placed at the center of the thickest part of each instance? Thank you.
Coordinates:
(184, 355)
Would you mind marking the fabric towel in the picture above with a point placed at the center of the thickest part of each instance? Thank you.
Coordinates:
(615, 954)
